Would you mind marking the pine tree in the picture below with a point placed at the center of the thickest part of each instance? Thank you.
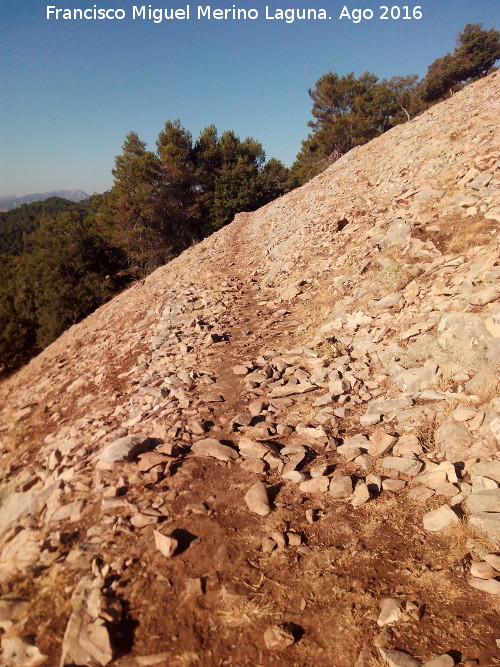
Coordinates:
(179, 185)
(478, 50)
(134, 217)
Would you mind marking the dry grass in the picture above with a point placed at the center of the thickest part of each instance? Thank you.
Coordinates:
(376, 662)
(462, 234)
(241, 611)
(185, 659)
(466, 239)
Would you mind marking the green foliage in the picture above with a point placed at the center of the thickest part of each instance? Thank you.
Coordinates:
(272, 181)
(133, 218)
(65, 276)
(66, 273)
(17, 223)
(161, 202)
(476, 52)
(228, 176)
(348, 112)
(236, 189)
(17, 334)
(443, 76)
(406, 92)
(180, 206)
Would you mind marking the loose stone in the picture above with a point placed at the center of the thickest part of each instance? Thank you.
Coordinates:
(257, 500)
(442, 518)
(278, 637)
(165, 544)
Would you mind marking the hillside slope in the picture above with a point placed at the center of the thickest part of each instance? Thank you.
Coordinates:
(282, 447)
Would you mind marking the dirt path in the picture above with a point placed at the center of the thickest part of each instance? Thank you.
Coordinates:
(335, 290)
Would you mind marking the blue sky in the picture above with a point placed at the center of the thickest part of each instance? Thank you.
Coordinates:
(72, 90)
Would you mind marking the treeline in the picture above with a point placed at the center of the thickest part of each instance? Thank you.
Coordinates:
(350, 111)
(60, 260)
(163, 201)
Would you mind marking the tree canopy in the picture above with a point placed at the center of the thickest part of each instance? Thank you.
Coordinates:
(348, 112)
(475, 53)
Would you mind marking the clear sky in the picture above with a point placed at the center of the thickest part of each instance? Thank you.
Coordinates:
(72, 89)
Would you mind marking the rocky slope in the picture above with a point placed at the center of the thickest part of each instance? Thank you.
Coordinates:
(283, 447)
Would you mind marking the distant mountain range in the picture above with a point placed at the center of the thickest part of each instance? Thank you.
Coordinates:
(8, 203)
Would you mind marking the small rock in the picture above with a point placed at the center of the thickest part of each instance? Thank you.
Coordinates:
(484, 383)
(370, 419)
(311, 433)
(364, 462)
(240, 370)
(315, 485)
(440, 519)
(493, 560)
(394, 658)
(446, 489)
(215, 449)
(140, 520)
(384, 639)
(256, 466)
(291, 390)
(444, 660)
(401, 464)
(484, 501)
(420, 494)
(214, 398)
(310, 515)
(12, 610)
(294, 539)
(390, 611)
(374, 483)
(319, 470)
(487, 524)
(280, 538)
(303, 549)
(251, 449)
(194, 586)
(257, 500)
(388, 301)
(361, 495)
(71, 511)
(483, 571)
(480, 483)
(340, 486)
(17, 652)
(165, 544)
(393, 485)
(381, 443)
(491, 586)
(453, 440)
(268, 544)
(462, 414)
(150, 460)
(295, 476)
(349, 451)
(125, 449)
(490, 469)
(278, 637)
